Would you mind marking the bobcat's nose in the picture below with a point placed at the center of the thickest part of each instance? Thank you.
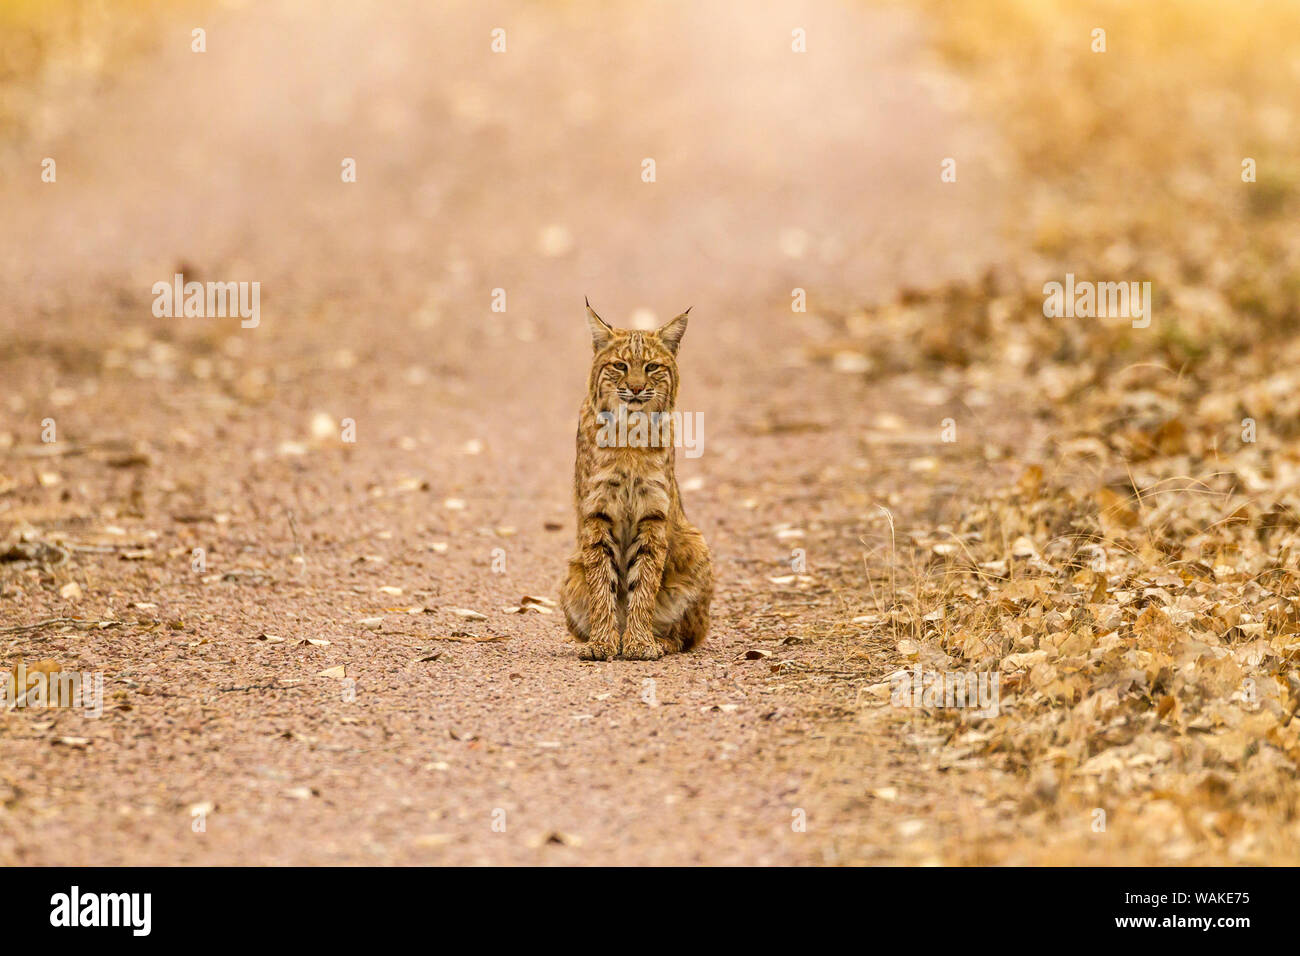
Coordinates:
(637, 389)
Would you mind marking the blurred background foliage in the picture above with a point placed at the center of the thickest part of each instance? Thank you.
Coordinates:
(54, 54)
(1127, 163)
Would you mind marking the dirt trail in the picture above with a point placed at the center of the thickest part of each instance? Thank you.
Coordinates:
(476, 171)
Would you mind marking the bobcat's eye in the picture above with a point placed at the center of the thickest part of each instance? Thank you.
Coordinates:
(621, 366)
(653, 367)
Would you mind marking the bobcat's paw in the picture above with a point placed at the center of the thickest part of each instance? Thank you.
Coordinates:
(641, 648)
(599, 649)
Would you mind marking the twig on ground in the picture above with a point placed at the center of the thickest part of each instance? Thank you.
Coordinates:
(77, 621)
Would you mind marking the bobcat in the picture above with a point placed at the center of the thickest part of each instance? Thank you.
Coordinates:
(640, 582)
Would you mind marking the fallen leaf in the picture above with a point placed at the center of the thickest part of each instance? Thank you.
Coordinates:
(467, 613)
(429, 841)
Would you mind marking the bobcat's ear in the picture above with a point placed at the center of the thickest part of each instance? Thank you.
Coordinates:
(671, 334)
(601, 331)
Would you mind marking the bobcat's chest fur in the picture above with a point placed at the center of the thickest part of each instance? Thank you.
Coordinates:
(627, 488)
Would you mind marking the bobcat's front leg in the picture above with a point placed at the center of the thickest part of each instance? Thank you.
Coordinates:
(601, 573)
(645, 569)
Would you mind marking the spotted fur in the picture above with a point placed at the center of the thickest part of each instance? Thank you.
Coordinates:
(640, 582)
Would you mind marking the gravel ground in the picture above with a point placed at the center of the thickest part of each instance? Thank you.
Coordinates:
(453, 738)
